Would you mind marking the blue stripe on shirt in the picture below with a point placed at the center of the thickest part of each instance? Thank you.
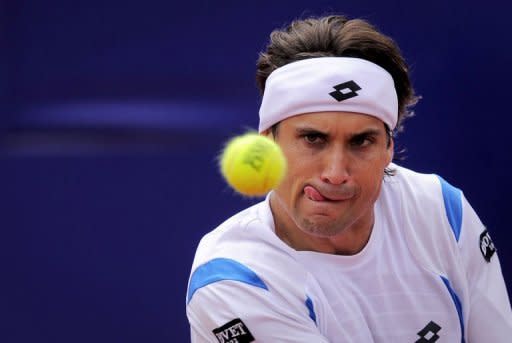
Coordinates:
(453, 206)
(311, 308)
(457, 303)
(220, 269)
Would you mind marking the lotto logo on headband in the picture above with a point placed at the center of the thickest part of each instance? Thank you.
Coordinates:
(345, 90)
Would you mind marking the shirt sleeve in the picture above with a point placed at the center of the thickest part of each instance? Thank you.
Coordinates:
(224, 310)
(490, 315)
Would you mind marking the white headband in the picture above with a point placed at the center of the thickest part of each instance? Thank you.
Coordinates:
(329, 84)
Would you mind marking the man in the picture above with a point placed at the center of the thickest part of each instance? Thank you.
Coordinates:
(349, 247)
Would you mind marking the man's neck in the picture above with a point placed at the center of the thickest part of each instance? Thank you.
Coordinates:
(349, 241)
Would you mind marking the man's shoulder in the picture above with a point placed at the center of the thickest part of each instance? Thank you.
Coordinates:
(247, 237)
(430, 206)
(425, 199)
(231, 232)
(423, 187)
(413, 177)
(245, 249)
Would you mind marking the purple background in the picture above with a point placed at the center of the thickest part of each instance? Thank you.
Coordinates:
(111, 117)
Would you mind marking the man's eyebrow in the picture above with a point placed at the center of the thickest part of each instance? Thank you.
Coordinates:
(304, 130)
(367, 132)
(307, 130)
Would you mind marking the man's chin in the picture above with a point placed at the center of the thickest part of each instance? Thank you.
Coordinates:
(320, 226)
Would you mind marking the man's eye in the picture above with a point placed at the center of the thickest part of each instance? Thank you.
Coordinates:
(361, 141)
(313, 138)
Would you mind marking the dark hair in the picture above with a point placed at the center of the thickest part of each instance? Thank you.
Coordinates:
(335, 35)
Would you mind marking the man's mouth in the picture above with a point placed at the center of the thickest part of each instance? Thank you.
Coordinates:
(315, 195)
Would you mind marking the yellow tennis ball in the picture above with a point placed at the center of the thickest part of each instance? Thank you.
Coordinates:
(252, 164)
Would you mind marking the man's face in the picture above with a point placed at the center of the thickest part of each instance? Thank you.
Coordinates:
(336, 163)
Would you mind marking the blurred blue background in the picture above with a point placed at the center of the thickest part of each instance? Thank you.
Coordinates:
(112, 114)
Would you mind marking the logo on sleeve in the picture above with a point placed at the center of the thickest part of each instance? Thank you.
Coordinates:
(486, 246)
(234, 331)
(345, 90)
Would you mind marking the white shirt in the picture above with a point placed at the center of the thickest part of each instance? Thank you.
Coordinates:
(423, 273)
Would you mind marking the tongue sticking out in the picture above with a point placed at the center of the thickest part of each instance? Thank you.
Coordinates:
(313, 194)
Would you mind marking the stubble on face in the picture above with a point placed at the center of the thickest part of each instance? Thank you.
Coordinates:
(339, 203)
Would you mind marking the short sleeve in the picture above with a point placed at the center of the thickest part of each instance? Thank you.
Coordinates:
(490, 315)
(228, 309)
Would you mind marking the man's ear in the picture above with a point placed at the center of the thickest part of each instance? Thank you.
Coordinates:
(266, 133)
(391, 150)
(269, 133)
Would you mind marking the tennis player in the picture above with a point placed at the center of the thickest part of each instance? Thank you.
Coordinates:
(350, 247)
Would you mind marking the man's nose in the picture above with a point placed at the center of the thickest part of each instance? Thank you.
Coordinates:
(335, 169)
